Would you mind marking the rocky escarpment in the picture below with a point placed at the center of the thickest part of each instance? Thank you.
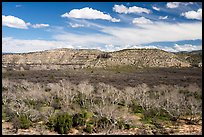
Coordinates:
(88, 58)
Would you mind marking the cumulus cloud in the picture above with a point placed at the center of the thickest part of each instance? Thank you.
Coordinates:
(40, 25)
(141, 20)
(89, 13)
(76, 25)
(156, 8)
(13, 22)
(163, 18)
(126, 10)
(193, 14)
(172, 5)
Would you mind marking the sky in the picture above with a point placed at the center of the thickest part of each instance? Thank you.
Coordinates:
(107, 26)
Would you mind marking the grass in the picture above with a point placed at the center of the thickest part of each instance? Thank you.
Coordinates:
(118, 69)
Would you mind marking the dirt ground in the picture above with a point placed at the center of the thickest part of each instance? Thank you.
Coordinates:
(181, 129)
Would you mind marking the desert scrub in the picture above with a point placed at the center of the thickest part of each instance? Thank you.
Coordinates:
(61, 123)
(4, 88)
(79, 119)
(89, 128)
(47, 89)
(103, 123)
(3, 116)
(22, 121)
(149, 116)
(7, 113)
(35, 104)
(135, 107)
(123, 125)
(56, 103)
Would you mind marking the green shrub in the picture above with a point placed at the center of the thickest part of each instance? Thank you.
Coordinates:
(79, 119)
(10, 114)
(35, 104)
(103, 123)
(3, 116)
(155, 114)
(51, 122)
(122, 125)
(22, 122)
(56, 104)
(60, 123)
(127, 126)
(136, 108)
(197, 96)
(89, 128)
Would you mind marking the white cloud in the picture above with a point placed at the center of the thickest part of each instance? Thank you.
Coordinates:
(163, 18)
(13, 22)
(172, 5)
(110, 47)
(120, 9)
(115, 20)
(126, 10)
(187, 47)
(188, 3)
(175, 48)
(142, 46)
(76, 25)
(156, 8)
(40, 25)
(193, 14)
(89, 13)
(141, 20)
(10, 44)
(112, 38)
(146, 33)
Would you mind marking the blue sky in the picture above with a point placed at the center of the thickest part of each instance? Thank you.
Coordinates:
(107, 26)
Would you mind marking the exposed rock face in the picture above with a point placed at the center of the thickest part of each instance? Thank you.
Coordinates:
(83, 58)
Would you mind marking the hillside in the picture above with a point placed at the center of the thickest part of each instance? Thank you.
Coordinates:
(89, 58)
(193, 57)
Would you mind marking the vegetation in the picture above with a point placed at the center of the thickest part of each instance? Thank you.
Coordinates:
(93, 108)
(21, 122)
(103, 56)
(193, 57)
(61, 123)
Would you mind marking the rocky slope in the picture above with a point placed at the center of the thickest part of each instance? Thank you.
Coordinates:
(89, 58)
